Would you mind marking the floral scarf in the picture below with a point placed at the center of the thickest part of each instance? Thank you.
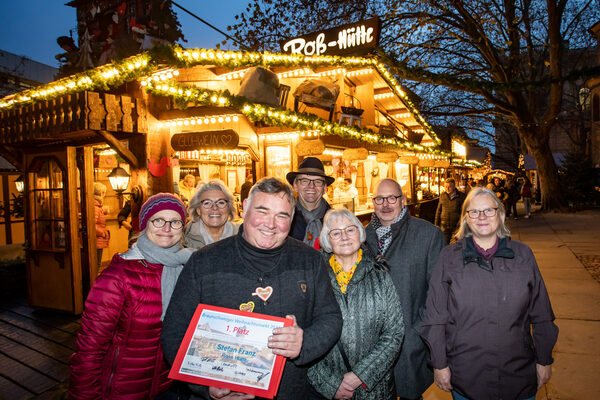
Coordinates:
(343, 278)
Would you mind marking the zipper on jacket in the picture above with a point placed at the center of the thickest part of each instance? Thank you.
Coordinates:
(112, 370)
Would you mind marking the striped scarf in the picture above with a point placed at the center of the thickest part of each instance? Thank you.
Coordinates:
(384, 233)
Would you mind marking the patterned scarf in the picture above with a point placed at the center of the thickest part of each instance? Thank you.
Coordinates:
(384, 233)
(342, 277)
(313, 221)
(172, 258)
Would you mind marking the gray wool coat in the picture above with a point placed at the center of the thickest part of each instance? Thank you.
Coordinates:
(412, 255)
(371, 336)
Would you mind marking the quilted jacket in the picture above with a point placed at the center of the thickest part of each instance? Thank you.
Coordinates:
(371, 335)
(118, 353)
(102, 234)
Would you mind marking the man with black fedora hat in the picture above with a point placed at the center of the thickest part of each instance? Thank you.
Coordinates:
(310, 182)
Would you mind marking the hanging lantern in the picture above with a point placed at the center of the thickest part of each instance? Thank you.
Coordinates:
(20, 184)
(119, 180)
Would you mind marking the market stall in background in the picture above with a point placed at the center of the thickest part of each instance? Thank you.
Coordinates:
(152, 122)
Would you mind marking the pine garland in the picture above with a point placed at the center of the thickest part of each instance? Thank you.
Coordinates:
(143, 65)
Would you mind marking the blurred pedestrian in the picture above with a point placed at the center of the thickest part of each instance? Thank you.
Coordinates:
(514, 194)
(447, 215)
(102, 234)
(526, 194)
(187, 188)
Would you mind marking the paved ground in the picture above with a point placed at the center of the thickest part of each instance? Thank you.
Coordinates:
(567, 249)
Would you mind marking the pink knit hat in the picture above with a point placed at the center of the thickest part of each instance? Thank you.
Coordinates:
(159, 202)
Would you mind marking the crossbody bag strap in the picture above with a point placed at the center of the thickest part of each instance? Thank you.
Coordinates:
(344, 356)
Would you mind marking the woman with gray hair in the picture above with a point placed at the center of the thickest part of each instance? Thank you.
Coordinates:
(211, 209)
(360, 365)
(486, 297)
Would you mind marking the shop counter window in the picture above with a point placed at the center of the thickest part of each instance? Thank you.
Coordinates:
(278, 159)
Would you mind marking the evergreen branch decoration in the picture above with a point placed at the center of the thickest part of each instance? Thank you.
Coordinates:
(141, 66)
(100, 78)
(186, 95)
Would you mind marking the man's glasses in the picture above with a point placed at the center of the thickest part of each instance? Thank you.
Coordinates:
(390, 199)
(175, 224)
(336, 234)
(305, 182)
(488, 212)
(209, 203)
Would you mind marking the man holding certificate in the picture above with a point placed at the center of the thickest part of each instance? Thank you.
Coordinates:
(264, 271)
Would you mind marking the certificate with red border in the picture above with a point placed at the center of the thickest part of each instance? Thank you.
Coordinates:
(227, 348)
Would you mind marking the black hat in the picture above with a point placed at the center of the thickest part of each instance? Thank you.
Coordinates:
(310, 166)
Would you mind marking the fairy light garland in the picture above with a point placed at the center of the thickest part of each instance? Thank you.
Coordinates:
(104, 77)
(136, 67)
(206, 120)
(467, 163)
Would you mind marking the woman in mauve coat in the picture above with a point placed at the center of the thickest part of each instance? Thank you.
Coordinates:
(118, 353)
(360, 365)
(488, 320)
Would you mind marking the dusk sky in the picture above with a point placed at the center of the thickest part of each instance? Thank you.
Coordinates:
(30, 27)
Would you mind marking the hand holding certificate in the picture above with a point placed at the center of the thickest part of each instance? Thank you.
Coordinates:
(230, 349)
(287, 341)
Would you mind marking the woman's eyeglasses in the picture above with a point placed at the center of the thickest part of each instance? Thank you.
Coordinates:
(488, 212)
(174, 224)
(209, 203)
(336, 234)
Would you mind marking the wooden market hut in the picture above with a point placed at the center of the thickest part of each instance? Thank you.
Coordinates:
(214, 114)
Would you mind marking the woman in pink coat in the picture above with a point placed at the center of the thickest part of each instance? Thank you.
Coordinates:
(102, 234)
(118, 353)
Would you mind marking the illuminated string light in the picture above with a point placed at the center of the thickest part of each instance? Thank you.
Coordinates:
(201, 121)
(143, 65)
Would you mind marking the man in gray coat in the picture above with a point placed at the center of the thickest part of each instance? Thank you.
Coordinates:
(411, 246)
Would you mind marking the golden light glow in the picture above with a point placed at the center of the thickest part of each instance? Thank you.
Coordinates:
(459, 149)
(197, 154)
(200, 120)
(295, 73)
(382, 96)
(336, 153)
(356, 72)
(233, 75)
(332, 72)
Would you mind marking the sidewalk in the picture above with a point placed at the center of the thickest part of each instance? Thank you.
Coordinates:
(559, 242)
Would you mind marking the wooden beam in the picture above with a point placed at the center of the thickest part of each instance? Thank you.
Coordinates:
(12, 155)
(117, 146)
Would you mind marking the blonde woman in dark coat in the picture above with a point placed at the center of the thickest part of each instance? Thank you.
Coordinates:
(488, 320)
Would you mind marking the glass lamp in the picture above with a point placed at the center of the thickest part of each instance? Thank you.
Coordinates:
(119, 180)
(20, 184)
